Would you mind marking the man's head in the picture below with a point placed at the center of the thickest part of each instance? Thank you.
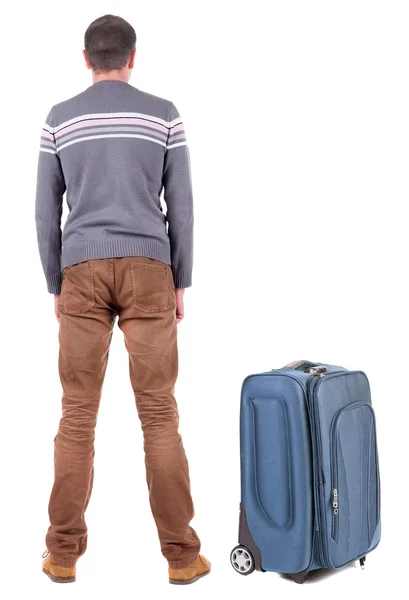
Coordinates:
(110, 46)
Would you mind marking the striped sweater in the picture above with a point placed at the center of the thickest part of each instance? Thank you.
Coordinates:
(115, 151)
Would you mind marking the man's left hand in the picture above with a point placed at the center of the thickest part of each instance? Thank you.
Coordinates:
(180, 309)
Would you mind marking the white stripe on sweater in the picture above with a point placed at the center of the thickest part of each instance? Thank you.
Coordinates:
(175, 122)
(113, 116)
(47, 150)
(176, 145)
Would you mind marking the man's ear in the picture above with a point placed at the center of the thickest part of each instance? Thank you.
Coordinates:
(132, 59)
(87, 63)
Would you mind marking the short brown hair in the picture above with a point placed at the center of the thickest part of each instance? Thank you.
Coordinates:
(109, 42)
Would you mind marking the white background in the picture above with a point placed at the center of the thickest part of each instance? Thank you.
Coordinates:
(297, 118)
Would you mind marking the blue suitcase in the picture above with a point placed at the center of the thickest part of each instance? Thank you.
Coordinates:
(310, 490)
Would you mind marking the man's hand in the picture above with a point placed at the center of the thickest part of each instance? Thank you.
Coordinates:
(57, 312)
(180, 309)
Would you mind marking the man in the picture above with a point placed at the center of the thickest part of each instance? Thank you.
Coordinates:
(113, 149)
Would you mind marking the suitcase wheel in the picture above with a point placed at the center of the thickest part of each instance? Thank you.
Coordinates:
(299, 577)
(242, 560)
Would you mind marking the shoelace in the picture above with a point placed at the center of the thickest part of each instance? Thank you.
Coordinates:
(46, 553)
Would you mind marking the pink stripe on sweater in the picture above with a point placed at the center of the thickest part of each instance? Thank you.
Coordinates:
(47, 135)
(112, 121)
(176, 129)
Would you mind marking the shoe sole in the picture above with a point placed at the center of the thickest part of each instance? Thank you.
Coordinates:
(59, 579)
(189, 581)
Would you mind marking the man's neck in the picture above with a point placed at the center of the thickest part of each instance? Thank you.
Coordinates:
(110, 76)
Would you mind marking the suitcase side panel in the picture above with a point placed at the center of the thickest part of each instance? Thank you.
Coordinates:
(276, 471)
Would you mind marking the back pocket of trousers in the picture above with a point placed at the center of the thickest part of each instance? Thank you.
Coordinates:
(151, 284)
(78, 292)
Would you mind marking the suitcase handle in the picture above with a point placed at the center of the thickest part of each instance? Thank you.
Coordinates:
(306, 366)
(301, 365)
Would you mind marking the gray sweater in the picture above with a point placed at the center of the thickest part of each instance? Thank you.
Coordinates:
(113, 149)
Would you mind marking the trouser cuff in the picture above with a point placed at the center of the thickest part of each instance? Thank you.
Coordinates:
(181, 564)
(63, 562)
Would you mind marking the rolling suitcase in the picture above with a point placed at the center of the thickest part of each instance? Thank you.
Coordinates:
(310, 490)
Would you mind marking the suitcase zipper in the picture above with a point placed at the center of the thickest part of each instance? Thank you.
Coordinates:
(335, 519)
(317, 466)
(323, 550)
(334, 476)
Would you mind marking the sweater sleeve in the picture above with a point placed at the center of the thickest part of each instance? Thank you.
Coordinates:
(48, 208)
(179, 201)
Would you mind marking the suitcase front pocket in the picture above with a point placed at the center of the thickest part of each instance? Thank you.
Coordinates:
(355, 505)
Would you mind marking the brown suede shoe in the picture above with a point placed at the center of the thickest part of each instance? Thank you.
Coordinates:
(57, 573)
(197, 569)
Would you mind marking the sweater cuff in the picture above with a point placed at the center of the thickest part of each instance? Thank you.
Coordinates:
(54, 283)
(182, 279)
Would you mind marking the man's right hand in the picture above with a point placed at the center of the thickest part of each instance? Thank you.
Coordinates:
(57, 312)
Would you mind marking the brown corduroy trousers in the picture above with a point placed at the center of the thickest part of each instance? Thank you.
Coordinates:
(141, 292)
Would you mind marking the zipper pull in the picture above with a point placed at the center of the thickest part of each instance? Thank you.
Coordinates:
(335, 504)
